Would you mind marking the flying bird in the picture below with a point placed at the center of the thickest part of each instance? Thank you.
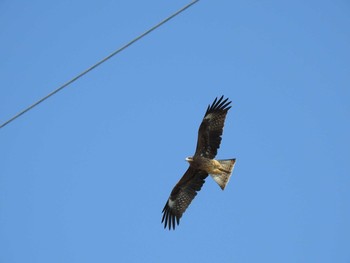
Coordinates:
(201, 164)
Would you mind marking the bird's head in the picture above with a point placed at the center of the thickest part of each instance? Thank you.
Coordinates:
(189, 159)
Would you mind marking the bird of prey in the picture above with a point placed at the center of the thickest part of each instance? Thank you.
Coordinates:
(201, 164)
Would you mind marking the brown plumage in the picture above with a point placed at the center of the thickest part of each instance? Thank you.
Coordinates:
(201, 164)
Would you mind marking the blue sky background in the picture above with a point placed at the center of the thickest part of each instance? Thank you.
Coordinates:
(85, 175)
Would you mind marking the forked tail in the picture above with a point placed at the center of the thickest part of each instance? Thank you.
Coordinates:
(226, 170)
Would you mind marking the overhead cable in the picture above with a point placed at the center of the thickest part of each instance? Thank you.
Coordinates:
(98, 63)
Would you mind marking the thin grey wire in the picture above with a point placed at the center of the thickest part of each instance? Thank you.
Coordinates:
(99, 63)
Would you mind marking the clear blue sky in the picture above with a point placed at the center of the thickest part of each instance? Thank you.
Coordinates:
(85, 175)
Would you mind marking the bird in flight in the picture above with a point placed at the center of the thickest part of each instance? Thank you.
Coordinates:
(201, 164)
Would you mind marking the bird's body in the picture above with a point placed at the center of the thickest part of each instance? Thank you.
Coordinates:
(211, 166)
(202, 163)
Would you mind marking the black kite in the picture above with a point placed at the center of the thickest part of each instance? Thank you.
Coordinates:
(201, 164)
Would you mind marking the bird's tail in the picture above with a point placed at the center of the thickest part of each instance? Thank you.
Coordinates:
(226, 168)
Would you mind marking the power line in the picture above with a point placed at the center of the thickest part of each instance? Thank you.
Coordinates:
(99, 63)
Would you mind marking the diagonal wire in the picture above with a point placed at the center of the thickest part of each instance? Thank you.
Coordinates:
(98, 63)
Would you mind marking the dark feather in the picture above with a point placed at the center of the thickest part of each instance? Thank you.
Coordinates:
(182, 195)
(211, 128)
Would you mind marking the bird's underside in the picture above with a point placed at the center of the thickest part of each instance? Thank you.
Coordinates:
(201, 164)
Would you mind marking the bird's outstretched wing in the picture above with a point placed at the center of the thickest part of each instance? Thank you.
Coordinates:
(182, 195)
(211, 128)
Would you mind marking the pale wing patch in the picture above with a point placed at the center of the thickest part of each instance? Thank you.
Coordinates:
(171, 203)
